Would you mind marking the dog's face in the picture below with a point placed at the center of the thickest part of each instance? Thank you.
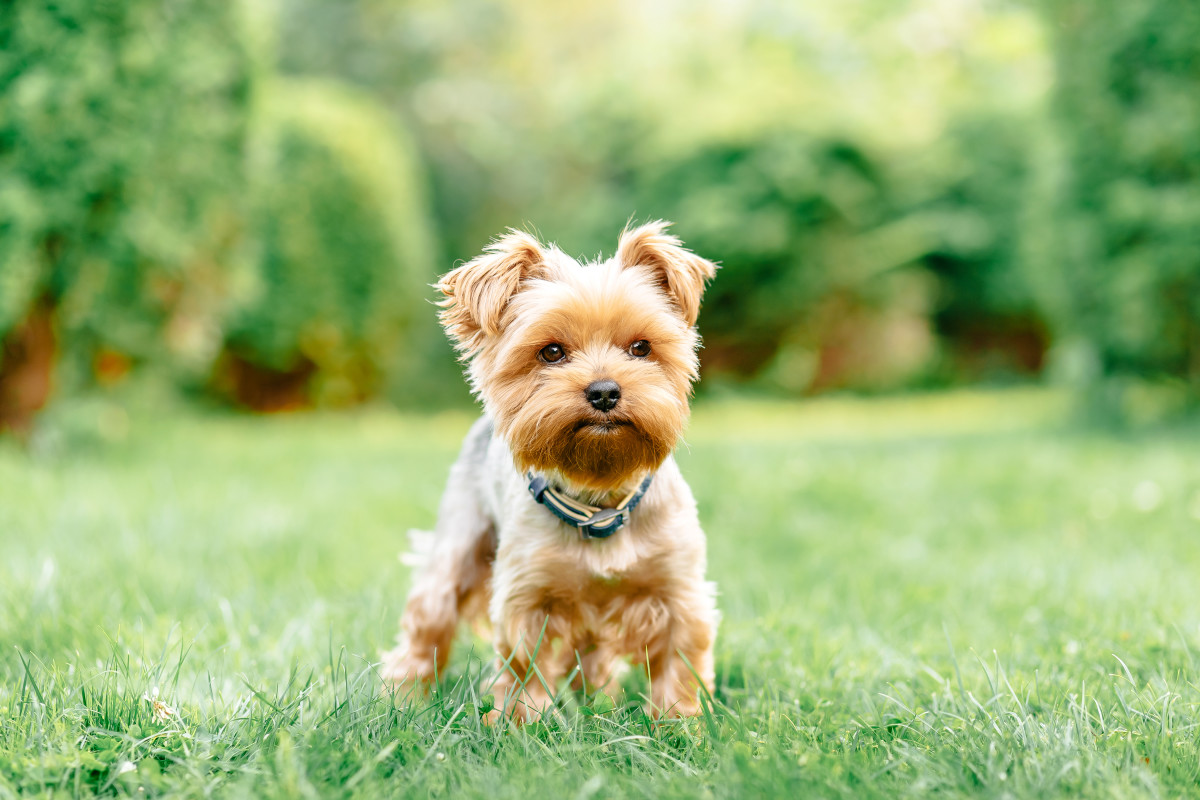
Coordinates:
(586, 370)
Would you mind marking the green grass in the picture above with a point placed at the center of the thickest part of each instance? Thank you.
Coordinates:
(950, 595)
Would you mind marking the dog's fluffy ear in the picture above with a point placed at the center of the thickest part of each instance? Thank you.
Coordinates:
(476, 294)
(681, 272)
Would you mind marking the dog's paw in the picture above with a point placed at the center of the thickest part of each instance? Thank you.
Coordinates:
(400, 669)
(675, 708)
(528, 707)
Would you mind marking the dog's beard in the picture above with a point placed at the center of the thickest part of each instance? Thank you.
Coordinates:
(594, 452)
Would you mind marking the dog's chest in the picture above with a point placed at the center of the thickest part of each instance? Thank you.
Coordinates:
(609, 564)
(608, 580)
(603, 574)
(592, 576)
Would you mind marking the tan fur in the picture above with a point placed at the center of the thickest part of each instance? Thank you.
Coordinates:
(557, 602)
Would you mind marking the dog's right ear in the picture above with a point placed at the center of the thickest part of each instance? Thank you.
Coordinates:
(476, 294)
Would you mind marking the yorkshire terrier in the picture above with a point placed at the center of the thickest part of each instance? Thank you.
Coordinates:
(566, 521)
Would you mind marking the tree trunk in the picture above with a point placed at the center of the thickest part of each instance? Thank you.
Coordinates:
(27, 356)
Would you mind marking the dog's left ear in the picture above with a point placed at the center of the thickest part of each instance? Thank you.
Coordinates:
(681, 272)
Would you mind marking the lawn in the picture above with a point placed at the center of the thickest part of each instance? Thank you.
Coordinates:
(960, 595)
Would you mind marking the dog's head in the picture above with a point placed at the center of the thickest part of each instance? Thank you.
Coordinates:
(586, 369)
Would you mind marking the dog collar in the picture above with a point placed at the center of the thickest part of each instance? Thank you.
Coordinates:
(593, 522)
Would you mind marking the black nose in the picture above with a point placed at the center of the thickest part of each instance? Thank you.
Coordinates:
(603, 395)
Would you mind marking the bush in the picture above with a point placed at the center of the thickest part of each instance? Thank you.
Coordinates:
(345, 254)
(1120, 265)
(122, 139)
(822, 285)
(986, 314)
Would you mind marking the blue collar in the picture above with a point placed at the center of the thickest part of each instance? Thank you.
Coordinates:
(593, 522)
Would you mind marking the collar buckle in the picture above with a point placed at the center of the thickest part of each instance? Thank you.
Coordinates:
(603, 523)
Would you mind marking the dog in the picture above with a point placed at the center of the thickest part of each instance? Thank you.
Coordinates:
(565, 520)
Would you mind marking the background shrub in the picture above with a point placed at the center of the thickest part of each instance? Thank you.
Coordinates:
(122, 144)
(902, 194)
(1117, 253)
(822, 285)
(345, 253)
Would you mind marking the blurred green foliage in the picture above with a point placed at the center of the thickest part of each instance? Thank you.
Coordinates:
(173, 201)
(121, 182)
(1120, 244)
(345, 246)
(821, 259)
(901, 194)
(856, 169)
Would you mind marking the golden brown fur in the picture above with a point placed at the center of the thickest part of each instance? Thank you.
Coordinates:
(552, 597)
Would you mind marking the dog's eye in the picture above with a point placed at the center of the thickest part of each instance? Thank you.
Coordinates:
(551, 353)
(640, 348)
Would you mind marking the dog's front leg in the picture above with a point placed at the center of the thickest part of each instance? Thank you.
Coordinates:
(533, 653)
(681, 662)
